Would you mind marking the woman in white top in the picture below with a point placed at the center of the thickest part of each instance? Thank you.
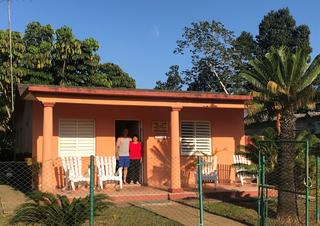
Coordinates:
(122, 153)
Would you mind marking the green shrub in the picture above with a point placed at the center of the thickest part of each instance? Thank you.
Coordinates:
(51, 210)
(271, 151)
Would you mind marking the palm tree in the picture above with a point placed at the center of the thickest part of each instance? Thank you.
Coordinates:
(284, 80)
(50, 210)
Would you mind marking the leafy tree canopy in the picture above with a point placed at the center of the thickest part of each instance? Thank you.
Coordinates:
(277, 28)
(43, 55)
(174, 80)
(116, 75)
(210, 45)
(214, 48)
(57, 57)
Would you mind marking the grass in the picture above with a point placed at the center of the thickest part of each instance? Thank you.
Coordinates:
(121, 215)
(4, 220)
(245, 211)
(241, 213)
(132, 215)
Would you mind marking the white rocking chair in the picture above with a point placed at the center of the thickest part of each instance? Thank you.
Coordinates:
(209, 170)
(73, 171)
(107, 170)
(238, 162)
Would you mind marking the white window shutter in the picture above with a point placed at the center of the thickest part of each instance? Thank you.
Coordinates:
(67, 136)
(86, 137)
(195, 136)
(188, 144)
(76, 137)
(203, 137)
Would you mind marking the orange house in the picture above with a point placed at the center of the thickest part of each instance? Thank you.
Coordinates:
(173, 126)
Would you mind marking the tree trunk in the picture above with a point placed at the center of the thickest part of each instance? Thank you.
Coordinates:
(278, 124)
(63, 68)
(287, 209)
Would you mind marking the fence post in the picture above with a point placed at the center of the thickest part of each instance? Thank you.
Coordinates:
(307, 181)
(259, 187)
(317, 189)
(199, 174)
(264, 192)
(91, 219)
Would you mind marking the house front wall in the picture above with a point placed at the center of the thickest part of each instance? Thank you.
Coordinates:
(226, 129)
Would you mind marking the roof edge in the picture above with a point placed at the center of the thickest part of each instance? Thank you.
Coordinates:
(130, 92)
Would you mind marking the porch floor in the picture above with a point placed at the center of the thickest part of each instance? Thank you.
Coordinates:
(146, 193)
(225, 191)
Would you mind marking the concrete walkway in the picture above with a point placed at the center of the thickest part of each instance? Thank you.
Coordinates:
(184, 214)
(10, 199)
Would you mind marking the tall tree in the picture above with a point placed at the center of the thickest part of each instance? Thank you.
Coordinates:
(283, 79)
(18, 50)
(278, 28)
(174, 80)
(211, 50)
(18, 72)
(38, 40)
(66, 49)
(246, 46)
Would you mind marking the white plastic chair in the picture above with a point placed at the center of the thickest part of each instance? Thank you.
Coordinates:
(238, 162)
(107, 170)
(209, 170)
(73, 170)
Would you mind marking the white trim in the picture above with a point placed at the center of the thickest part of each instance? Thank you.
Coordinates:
(76, 152)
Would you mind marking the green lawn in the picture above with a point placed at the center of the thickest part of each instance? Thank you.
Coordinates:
(122, 215)
(244, 211)
(131, 215)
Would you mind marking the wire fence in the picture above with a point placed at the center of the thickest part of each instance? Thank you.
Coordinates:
(102, 191)
(99, 191)
(288, 184)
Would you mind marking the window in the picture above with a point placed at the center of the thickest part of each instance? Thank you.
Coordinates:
(76, 137)
(195, 136)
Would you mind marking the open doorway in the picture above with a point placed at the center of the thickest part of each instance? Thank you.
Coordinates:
(133, 127)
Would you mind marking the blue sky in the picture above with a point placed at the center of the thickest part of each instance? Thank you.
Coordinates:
(140, 35)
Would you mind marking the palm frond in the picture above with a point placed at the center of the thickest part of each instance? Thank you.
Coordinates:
(282, 78)
(311, 74)
(48, 209)
(253, 79)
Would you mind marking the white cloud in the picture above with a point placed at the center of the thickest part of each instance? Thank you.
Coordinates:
(155, 32)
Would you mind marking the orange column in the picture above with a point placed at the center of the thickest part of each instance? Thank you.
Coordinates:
(47, 179)
(175, 151)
